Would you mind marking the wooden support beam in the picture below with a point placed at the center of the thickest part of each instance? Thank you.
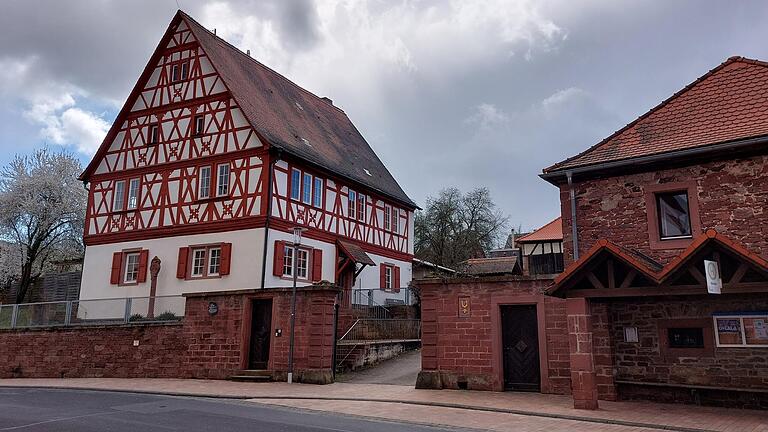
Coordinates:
(628, 279)
(697, 275)
(595, 281)
(611, 274)
(736, 278)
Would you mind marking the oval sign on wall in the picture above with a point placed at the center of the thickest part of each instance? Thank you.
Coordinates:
(213, 308)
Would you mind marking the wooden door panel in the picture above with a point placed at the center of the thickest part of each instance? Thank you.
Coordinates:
(520, 348)
(261, 334)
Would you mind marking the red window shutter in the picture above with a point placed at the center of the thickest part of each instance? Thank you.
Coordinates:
(181, 265)
(143, 259)
(117, 264)
(396, 277)
(277, 268)
(226, 253)
(317, 265)
(382, 277)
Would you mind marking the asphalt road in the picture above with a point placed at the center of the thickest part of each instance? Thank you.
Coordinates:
(32, 410)
(401, 370)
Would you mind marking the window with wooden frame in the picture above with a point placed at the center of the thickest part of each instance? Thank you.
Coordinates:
(317, 193)
(198, 125)
(179, 71)
(309, 262)
(352, 205)
(222, 180)
(295, 184)
(361, 207)
(154, 134)
(672, 211)
(387, 217)
(389, 277)
(204, 183)
(395, 220)
(133, 194)
(204, 261)
(123, 199)
(118, 196)
(685, 338)
(129, 267)
(306, 188)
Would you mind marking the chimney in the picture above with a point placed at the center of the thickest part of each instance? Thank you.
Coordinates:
(248, 53)
(327, 99)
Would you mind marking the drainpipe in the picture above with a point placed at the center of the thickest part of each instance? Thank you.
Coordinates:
(268, 215)
(574, 228)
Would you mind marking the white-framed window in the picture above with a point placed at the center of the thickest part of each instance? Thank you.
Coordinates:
(387, 217)
(361, 207)
(214, 261)
(131, 271)
(741, 331)
(388, 278)
(395, 220)
(302, 263)
(222, 183)
(295, 184)
(179, 71)
(204, 183)
(352, 205)
(154, 134)
(306, 189)
(184, 70)
(118, 196)
(317, 193)
(199, 125)
(133, 194)
(198, 263)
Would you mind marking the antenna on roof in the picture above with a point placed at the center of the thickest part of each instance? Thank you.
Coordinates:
(214, 31)
(248, 52)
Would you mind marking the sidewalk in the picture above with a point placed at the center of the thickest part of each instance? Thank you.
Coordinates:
(489, 410)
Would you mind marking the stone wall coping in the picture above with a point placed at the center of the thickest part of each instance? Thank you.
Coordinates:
(484, 279)
(309, 288)
(91, 326)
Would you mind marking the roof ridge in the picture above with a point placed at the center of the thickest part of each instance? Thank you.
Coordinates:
(523, 237)
(662, 104)
(260, 64)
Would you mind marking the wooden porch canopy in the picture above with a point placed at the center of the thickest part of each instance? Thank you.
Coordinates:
(609, 270)
(351, 254)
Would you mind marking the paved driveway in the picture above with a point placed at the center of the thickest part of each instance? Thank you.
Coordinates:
(401, 370)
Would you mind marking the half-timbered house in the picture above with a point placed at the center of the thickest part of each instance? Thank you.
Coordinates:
(213, 161)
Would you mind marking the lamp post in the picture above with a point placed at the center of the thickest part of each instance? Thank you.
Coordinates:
(295, 258)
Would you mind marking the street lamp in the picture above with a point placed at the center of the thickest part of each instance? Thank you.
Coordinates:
(296, 243)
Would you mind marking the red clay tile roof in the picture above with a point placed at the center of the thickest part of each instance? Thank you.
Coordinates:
(550, 231)
(293, 119)
(355, 252)
(728, 103)
(491, 266)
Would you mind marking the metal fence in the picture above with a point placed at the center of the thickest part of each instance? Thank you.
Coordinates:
(93, 312)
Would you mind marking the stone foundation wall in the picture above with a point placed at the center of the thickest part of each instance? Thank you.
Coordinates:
(201, 346)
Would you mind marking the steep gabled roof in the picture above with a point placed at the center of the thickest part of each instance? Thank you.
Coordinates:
(551, 231)
(728, 103)
(291, 118)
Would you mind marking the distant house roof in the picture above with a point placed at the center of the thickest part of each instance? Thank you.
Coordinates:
(289, 117)
(553, 231)
(491, 266)
(422, 263)
(726, 104)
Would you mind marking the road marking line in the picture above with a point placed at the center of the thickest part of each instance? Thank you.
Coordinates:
(55, 420)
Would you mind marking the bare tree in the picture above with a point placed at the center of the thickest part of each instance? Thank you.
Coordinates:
(42, 210)
(455, 227)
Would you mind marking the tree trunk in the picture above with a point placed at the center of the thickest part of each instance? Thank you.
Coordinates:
(24, 282)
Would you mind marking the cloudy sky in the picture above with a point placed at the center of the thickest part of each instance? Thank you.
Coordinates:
(461, 93)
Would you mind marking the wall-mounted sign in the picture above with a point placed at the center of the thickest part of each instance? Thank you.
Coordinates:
(725, 325)
(464, 307)
(630, 335)
(714, 282)
(213, 308)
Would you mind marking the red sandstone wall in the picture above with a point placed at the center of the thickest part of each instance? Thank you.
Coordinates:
(464, 348)
(203, 346)
(731, 194)
(643, 361)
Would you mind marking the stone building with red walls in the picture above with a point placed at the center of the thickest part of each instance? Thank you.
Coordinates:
(656, 219)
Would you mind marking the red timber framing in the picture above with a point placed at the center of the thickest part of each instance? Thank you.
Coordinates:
(610, 271)
(332, 218)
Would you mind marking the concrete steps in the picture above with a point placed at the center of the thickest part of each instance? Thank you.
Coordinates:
(252, 375)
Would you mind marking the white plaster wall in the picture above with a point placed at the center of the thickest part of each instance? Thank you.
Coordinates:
(329, 259)
(245, 265)
(369, 279)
